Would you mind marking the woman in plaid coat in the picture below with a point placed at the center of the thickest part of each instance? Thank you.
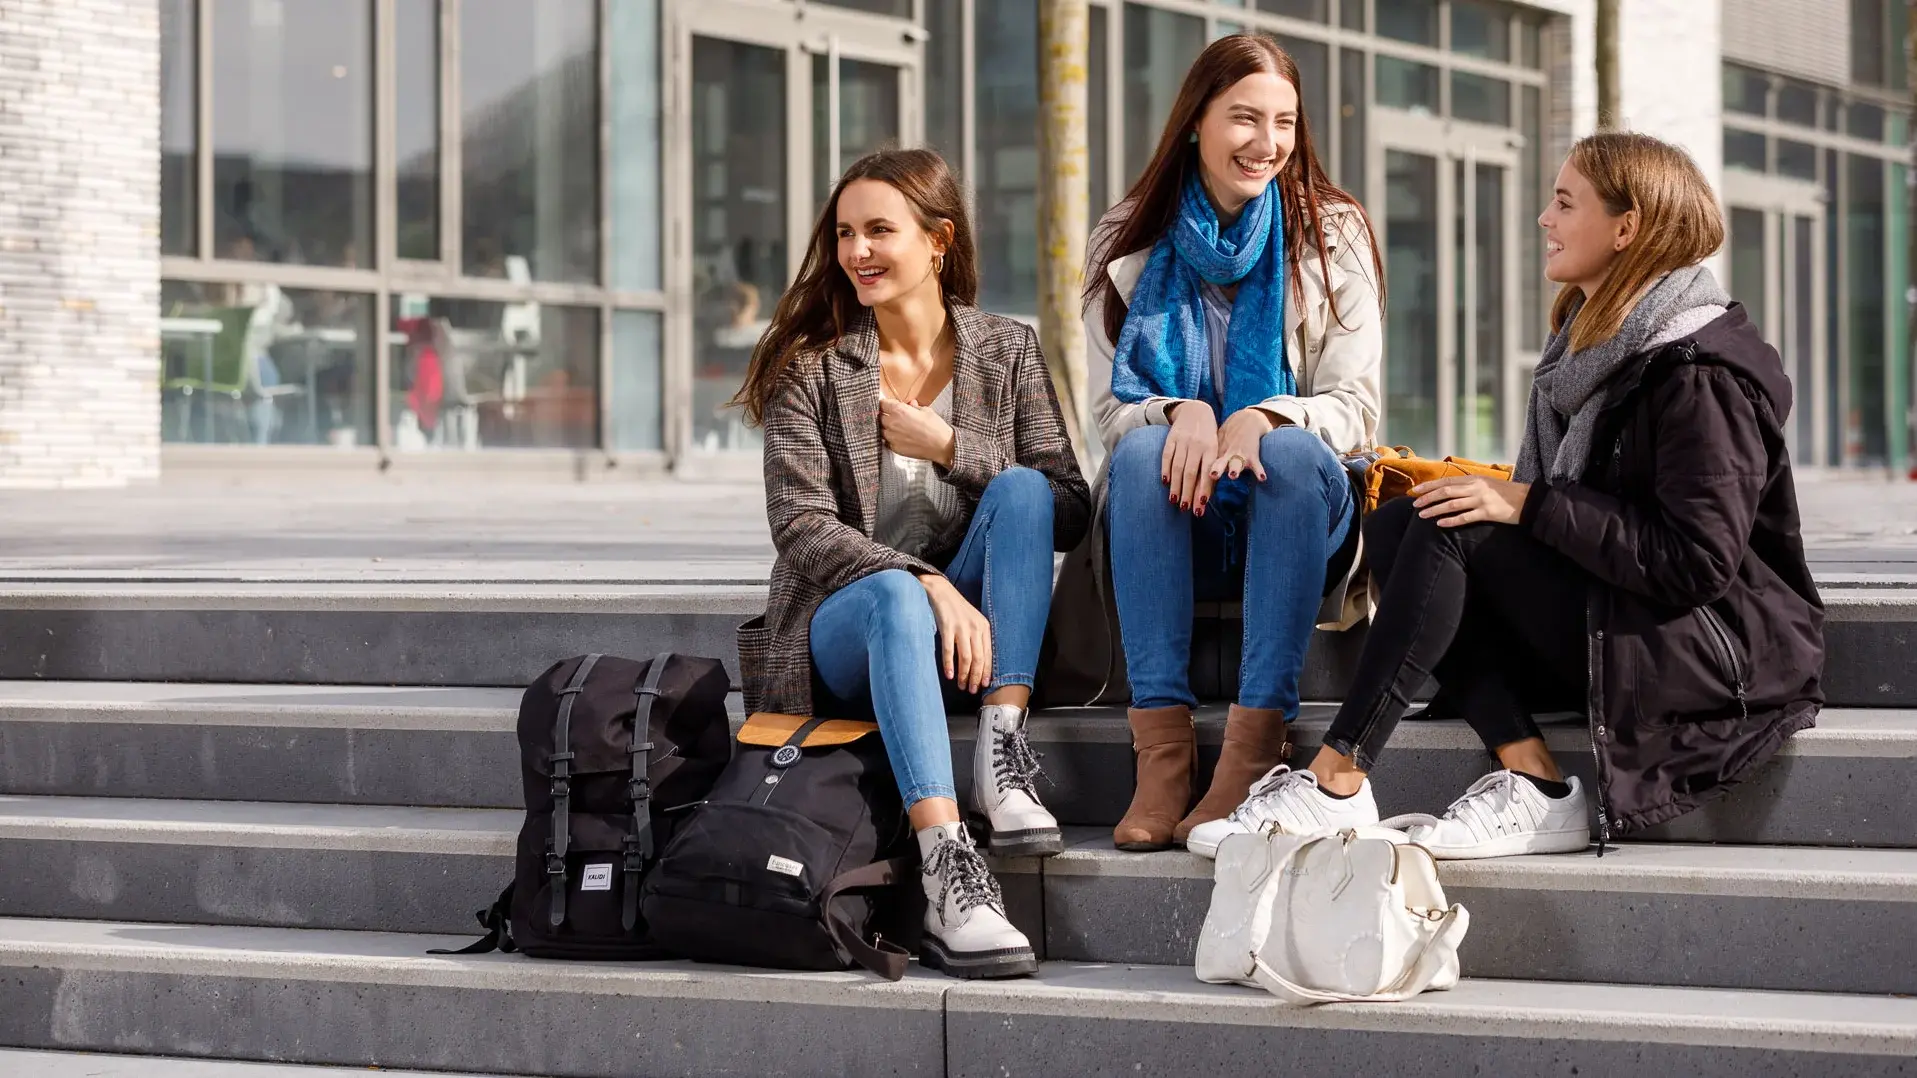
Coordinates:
(918, 479)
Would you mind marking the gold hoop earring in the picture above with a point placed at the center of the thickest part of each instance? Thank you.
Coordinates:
(938, 262)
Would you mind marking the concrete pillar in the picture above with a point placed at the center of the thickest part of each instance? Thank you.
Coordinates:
(79, 242)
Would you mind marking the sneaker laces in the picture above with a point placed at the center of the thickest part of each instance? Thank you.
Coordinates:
(1489, 805)
(1269, 794)
(1015, 764)
(961, 871)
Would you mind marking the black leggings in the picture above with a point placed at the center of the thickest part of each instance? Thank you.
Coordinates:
(1494, 615)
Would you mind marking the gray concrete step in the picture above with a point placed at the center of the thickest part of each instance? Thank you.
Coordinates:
(1844, 783)
(1647, 913)
(16, 1063)
(367, 999)
(505, 634)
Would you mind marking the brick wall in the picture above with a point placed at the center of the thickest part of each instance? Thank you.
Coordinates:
(79, 242)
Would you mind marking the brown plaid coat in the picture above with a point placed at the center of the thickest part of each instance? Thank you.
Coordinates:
(822, 446)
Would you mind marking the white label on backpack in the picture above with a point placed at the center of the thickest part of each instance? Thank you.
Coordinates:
(597, 878)
(784, 866)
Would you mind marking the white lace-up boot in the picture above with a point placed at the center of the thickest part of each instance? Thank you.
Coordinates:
(1293, 801)
(966, 932)
(1504, 814)
(1005, 808)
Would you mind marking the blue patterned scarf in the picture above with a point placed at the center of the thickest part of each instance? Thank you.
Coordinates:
(1164, 349)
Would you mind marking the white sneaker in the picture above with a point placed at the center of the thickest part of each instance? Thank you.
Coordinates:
(1504, 814)
(1293, 801)
(1005, 772)
(966, 932)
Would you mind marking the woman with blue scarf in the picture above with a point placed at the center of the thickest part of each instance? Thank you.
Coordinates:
(1233, 320)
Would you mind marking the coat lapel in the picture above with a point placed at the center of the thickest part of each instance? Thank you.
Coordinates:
(974, 387)
(855, 386)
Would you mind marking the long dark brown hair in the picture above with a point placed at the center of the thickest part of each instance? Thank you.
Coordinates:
(1305, 190)
(821, 303)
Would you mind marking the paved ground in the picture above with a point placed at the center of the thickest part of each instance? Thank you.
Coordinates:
(615, 532)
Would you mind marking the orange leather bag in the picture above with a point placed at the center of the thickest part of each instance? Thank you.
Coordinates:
(1396, 471)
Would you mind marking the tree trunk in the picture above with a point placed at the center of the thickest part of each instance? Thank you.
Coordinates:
(1064, 32)
(1607, 80)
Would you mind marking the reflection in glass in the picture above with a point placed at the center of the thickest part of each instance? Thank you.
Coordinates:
(868, 116)
(1405, 84)
(1411, 319)
(1415, 21)
(634, 206)
(944, 88)
(1480, 99)
(529, 83)
(1351, 121)
(1480, 29)
(263, 365)
(1006, 185)
(179, 129)
(1098, 120)
(475, 374)
(1159, 46)
(293, 131)
(738, 224)
(416, 126)
(1865, 290)
(636, 413)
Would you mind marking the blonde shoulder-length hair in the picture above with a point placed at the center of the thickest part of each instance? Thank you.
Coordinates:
(1678, 224)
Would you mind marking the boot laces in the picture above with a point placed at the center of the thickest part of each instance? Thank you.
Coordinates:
(1015, 764)
(962, 872)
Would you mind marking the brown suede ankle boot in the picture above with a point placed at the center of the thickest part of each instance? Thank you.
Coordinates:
(1167, 749)
(1256, 740)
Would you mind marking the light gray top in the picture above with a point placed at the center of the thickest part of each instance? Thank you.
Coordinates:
(915, 504)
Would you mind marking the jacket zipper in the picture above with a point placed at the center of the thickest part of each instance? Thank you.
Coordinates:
(1726, 647)
(1594, 701)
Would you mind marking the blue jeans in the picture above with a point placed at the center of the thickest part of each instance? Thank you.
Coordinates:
(875, 643)
(1275, 559)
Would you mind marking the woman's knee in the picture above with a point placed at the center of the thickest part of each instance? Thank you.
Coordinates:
(900, 607)
(1024, 491)
(1294, 451)
(1140, 456)
(1387, 525)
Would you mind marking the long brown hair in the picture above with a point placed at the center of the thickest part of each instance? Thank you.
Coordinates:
(1678, 224)
(821, 303)
(1304, 187)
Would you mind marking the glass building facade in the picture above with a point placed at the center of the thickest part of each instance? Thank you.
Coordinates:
(479, 225)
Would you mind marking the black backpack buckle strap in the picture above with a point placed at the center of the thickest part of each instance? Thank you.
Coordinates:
(638, 840)
(561, 761)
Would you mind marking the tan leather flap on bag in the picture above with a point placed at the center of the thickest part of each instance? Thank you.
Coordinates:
(772, 730)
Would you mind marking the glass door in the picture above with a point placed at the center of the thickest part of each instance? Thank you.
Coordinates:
(1777, 272)
(772, 103)
(1443, 194)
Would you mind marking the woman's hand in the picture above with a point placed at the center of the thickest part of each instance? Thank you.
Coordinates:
(1188, 453)
(965, 637)
(1238, 444)
(1468, 499)
(917, 432)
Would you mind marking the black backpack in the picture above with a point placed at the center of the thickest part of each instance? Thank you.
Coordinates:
(607, 747)
(801, 857)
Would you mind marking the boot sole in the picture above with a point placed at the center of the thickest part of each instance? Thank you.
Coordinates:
(983, 965)
(1143, 847)
(1039, 842)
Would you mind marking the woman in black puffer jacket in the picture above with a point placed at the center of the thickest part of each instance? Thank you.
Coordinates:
(1644, 566)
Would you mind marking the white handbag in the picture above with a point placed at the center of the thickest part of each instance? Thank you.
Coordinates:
(1339, 916)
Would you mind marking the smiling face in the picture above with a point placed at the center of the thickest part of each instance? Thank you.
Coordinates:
(1582, 238)
(1246, 136)
(882, 247)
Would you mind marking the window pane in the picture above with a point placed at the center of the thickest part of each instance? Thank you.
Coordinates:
(1404, 84)
(1797, 104)
(1098, 120)
(1531, 43)
(1745, 150)
(179, 129)
(1867, 41)
(1006, 184)
(293, 131)
(900, 8)
(1833, 325)
(261, 365)
(1415, 21)
(1314, 73)
(1159, 47)
(1531, 194)
(1351, 14)
(1745, 91)
(868, 116)
(1297, 9)
(1894, 37)
(1748, 261)
(636, 412)
(1480, 99)
(1480, 30)
(1481, 406)
(476, 374)
(416, 131)
(1411, 320)
(944, 87)
(634, 204)
(1796, 159)
(1865, 226)
(529, 83)
(1351, 121)
(1866, 121)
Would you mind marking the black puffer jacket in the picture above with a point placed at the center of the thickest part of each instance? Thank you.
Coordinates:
(1706, 636)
